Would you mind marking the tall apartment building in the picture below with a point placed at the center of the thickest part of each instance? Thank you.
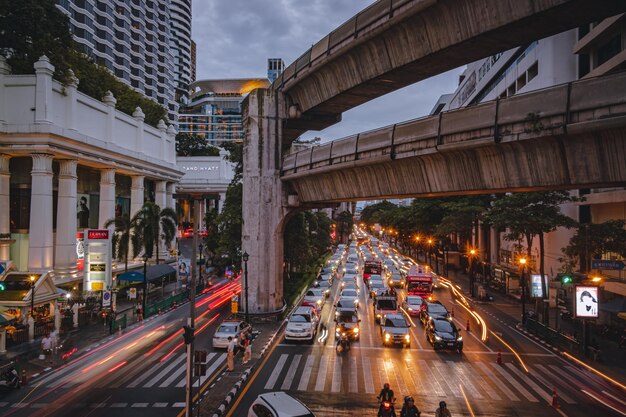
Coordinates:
(145, 43)
(594, 50)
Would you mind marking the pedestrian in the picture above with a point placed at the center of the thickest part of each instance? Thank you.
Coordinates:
(247, 353)
(230, 358)
(139, 313)
(46, 346)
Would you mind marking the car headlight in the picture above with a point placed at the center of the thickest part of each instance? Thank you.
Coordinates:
(356, 302)
(355, 330)
(459, 339)
(438, 338)
(378, 315)
(409, 308)
(319, 302)
(387, 336)
(407, 337)
(337, 334)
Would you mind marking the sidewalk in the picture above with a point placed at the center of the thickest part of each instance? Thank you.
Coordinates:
(75, 341)
(610, 359)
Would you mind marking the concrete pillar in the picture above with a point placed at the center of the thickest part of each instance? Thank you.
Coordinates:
(160, 199)
(43, 90)
(136, 194)
(139, 116)
(170, 202)
(107, 197)
(70, 110)
(57, 318)
(5, 69)
(75, 309)
(40, 239)
(482, 242)
(5, 212)
(264, 201)
(65, 245)
(110, 102)
(31, 328)
(494, 237)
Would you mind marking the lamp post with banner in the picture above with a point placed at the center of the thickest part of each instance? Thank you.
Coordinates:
(245, 258)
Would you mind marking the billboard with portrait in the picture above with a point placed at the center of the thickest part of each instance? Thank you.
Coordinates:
(184, 266)
(586, 301)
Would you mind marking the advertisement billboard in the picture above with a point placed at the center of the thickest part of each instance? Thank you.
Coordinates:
(535, 285)
(184, 265)
(586, 301)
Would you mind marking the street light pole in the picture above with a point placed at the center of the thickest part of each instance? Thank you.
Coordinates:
(145, 286)
(245, 258)
(471, 272)
(32, 296)
(523, 264)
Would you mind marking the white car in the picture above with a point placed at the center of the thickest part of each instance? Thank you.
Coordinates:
(350, 294)
(302, 324)
(315, 295)
(278, 404)
(228, 328)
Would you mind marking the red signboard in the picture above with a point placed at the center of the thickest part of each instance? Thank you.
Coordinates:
(98, 234)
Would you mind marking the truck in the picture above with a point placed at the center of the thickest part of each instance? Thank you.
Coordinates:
(384, 304)
(419, 281)
(373, 266)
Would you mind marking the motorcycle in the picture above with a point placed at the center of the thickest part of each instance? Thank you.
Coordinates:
(10, 378)
(343, 344)
(386, 409)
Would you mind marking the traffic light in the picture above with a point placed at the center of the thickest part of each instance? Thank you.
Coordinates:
(566, 279)
(188, 334)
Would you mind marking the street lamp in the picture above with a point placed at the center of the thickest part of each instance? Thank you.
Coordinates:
(32, 296)
(430, 244)
(145, 285)
(245, 258)
(522, 262)
(472, 253)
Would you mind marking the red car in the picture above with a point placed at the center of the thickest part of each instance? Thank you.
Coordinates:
(189, 232)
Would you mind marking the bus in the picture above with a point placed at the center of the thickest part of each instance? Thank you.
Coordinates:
(419, 281)
(373, 266)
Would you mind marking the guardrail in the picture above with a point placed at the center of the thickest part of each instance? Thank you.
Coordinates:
(552, 336)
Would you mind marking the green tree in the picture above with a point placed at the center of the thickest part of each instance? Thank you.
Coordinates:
(344, 226)
(528, 215)
(194, 145)
(371, 213)
(153, 224)
(461, 216)
(122, 238)
(593, 240)
(297, 243)
(212, 239)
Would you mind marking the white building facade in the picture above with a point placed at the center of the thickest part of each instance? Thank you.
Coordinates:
(69, 162)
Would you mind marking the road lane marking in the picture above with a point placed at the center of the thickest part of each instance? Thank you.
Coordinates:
(499, 383)
(367, 375)
(160, 405)
(306, 374)
(164, 371)
(604, 403)
(513, 382)
(397, 375)
(431, 377)
(541, 373)
(119, 405)
(614, 397)
(293, 367)
(336, 377)
(321, 374)
(467, 379)
(529, 382)
(276, 371)
(448, 378)
(472, 373)
(149, 372)
(469, 406)
(353, 385)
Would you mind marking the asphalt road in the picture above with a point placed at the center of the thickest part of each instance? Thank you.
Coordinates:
(472, 383)
(139, 373)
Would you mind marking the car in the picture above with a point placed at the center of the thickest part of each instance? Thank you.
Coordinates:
(228, 328)
(443, 334)
(326, 277)
(302, 325)
(433, 310)
(328, 270)
(395, 330)
(344, 305)
(384, 305)
(412, 304)
(396, 280)
(315, 295)
(324, 285)
(347, 321)
(278, 404)
(349, 293)
(376, 286)
(189, 232)
(350, 285)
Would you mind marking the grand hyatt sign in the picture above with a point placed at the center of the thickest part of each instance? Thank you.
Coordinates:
(200, 168)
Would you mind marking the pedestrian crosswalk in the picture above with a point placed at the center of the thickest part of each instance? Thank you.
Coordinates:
(168, 374)
(362, 372)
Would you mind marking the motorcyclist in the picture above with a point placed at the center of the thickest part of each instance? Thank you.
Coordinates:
(442, 411)
(343, 339)
(386, 394)
(409, 409)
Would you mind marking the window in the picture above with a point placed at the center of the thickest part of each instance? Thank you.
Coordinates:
(261, 411)
(20, 208)
(609, 49)
(521, 81)
(533, 71)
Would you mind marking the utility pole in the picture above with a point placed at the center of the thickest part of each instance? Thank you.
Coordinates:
(192, 307)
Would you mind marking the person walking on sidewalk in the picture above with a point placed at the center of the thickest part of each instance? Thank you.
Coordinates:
(247, 353)
(230, 358)
(46, 346)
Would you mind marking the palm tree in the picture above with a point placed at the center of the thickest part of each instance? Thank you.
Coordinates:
(123, 237)
(153, 225)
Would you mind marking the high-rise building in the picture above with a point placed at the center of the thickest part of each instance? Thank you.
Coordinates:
(135, 39)
(193, 61)
(213, 110)
(275, 67)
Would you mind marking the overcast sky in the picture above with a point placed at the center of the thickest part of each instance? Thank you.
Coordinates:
(235, 37)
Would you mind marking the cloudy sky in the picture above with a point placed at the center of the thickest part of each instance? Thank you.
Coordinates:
(235, 37)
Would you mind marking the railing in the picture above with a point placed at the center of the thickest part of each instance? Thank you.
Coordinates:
(568, 108)
(552, 336)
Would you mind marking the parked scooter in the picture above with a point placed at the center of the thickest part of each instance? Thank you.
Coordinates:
(10, 378)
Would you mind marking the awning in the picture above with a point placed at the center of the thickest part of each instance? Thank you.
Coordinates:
(616, 305)
(154, 273)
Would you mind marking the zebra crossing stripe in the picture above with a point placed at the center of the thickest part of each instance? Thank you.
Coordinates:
(119, 405)
(353, 384)
(165, 371)
(475, 375)
(321, 374)
(544, 376)
(291, 373)
(146, 374)
(410, 372)
(367, 375)
(277, 370)
(209, 371)
(397, 375)
(467, 379)
(306, 374)
(432, 378)
(513, 382)
(444, 375)
(502, 386)
(529, 383)
(335, 375)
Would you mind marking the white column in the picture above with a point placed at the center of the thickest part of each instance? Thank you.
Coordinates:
(70, 109)
(136, 194)
(5, 70)
(170, 202)
(110, 102)
(107, 196)
(139, 116)
(40, 229)
(43, 90)
(65, 245)
(5, 213)
(160, 199)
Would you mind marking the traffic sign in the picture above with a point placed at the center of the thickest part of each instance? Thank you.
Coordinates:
(2, 267)
(106, 298)
(613, 265)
